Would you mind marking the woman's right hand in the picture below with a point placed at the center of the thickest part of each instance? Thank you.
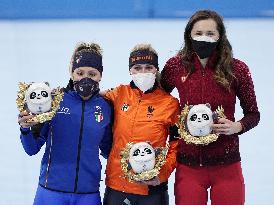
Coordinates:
(23, 118)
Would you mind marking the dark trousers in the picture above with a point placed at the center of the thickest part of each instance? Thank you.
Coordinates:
(113, 197)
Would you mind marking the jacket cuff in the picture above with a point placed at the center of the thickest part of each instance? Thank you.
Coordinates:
(243, 128)
(163, 175)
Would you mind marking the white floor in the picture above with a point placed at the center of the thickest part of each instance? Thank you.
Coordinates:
(41, 50)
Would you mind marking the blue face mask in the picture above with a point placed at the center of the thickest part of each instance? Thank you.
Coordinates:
(86, 87)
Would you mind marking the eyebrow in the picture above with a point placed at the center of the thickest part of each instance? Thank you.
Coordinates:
(139, 65)
(206, 31)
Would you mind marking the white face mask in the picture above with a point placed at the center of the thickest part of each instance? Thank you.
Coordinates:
(144, 81)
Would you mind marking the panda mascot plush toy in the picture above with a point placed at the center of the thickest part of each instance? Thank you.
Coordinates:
(38, 98)
(200, 119)
(142, 157)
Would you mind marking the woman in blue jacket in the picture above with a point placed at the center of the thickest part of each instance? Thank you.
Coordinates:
(70, 168)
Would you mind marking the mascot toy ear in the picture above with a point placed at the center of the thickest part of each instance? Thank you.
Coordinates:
(129, 166)
(157, 152)
(47, 83)
(190, 106)
(215, 117)
(208, 105)
(149, 143)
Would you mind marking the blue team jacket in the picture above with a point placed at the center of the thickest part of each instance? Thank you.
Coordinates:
(73, 138)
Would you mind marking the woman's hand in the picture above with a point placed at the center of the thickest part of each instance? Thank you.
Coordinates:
(227, 127)
(153, 182)
(23, 118)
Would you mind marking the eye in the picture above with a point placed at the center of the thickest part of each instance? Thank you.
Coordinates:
(44, 94)
(205, 116)
(136, 152)
(92, 74)
(79, 73)
(193, 117)
(148, 151)
(210, 33)
(149, 68)
(198, 33)
(137, 68)
(32, 95)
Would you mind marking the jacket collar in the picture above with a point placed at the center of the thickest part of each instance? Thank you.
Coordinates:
(155, 86)
(77, 96)
(212, 60)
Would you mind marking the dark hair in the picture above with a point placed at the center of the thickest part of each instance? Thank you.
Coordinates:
(223, 68)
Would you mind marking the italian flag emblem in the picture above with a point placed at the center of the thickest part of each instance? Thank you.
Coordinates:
(99, 116)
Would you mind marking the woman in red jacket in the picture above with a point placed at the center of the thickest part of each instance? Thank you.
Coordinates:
(204, 71)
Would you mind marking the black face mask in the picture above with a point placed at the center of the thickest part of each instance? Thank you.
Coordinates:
(86, 87)
(203, 48)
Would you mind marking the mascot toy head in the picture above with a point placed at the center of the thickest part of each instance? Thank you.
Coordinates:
(199, 120)
(142, 157)
(38, 98)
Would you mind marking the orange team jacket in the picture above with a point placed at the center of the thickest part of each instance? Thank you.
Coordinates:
(140, 117)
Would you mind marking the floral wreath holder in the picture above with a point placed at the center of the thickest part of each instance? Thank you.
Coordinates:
(190, 139)
(57, 97)
(160, 160)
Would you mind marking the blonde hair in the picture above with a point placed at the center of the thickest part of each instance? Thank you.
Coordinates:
(144, 46)
(85, 47)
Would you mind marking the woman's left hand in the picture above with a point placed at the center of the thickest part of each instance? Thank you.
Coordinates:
(226, 127)
(153, 182)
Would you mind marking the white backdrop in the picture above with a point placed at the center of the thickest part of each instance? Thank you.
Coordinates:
(41, 51)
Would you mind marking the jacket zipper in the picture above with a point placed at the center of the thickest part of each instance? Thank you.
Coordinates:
(79, 147)
(139, 101)
(203, 84)
(49, 159)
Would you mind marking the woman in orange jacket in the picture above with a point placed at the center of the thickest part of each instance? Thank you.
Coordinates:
(142, 113)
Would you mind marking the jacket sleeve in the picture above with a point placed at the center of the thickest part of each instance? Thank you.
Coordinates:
(168, 74)
(34, 138)
(246, 94)
(170, 164)
(112, 94)
(106, 142)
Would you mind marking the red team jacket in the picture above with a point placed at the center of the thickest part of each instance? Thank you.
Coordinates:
(200, 87)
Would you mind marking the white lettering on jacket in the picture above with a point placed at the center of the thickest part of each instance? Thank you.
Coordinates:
(63, 110)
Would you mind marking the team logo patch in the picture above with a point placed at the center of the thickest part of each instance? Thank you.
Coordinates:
(78, 59)
(183, 78)
(125, 107)
(98, 114)
(150, 111)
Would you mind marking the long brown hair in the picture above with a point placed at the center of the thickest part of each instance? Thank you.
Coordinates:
(223, 68)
